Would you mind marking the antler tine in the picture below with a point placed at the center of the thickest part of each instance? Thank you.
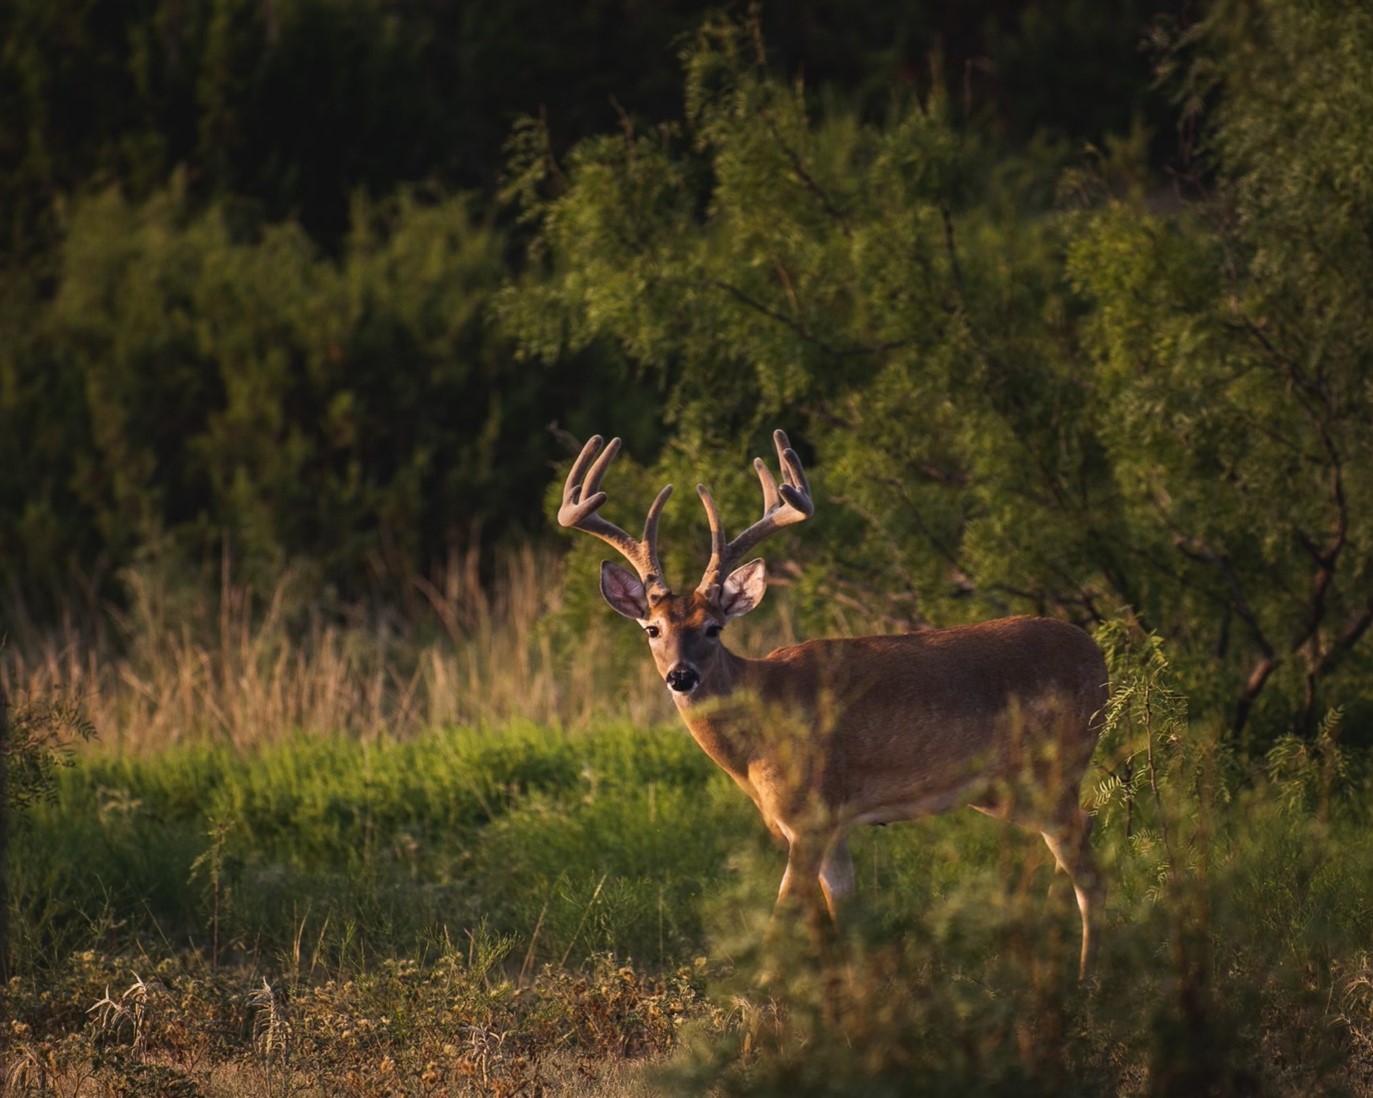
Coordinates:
(795, 488)
(655, 510)
(577, 503)
(592, 484)
(784, 504)
(716, 568)
(582, 497)
(765, 478)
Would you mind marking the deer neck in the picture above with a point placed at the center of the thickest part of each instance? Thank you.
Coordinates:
(719, 713)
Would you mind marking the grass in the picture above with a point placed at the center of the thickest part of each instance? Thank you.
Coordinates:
(245, 667)
(409, 838)
(550, 898)
(523, 881)
(179, 1028)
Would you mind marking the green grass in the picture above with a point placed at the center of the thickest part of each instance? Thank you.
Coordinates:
(487, 891)
(392, 844)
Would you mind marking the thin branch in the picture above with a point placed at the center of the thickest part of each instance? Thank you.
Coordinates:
(1194, 548)
(951, 247)
(1352, 633)
(1257, 678)
(779, 268)
(798, 166)
(851, 351)
(827, 204)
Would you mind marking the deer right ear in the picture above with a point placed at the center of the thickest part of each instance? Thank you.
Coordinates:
(744, 589)
(624, 591)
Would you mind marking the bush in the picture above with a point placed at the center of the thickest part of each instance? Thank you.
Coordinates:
(1026, 387)
(199, 382)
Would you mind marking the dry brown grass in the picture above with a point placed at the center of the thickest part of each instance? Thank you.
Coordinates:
(245, 667)
(403, 1029)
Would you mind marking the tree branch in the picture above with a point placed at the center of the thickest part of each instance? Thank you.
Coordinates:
(851, 351)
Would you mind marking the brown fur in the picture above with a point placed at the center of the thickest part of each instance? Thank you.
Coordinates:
(827, 735)
(823, 736)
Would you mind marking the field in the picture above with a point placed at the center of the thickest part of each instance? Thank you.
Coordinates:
(356, 856)
(326, 771)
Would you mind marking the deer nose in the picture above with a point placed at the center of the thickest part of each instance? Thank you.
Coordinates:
(683, 679)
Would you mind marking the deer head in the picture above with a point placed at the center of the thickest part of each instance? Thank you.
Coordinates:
(683, 631)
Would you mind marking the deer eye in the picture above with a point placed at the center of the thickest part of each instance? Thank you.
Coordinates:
(713, 630)
(652, 631)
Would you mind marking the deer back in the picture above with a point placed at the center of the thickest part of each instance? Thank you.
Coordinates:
(902, 725)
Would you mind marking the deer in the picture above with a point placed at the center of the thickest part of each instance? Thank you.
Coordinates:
(833, 734)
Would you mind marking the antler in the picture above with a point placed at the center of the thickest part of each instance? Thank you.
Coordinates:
(783, 505)
(582, 497)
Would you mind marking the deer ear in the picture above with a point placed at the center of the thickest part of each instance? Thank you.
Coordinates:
(744, 589)
(623, 591)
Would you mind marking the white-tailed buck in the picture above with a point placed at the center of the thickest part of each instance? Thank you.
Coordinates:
(830, 734)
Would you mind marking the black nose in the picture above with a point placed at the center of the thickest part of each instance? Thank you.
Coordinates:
(683, 679)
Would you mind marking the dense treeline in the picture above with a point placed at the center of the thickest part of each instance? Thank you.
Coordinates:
(1062, 322)
(293, 105)
(1071, 401)
(249, 246)
(188, 384)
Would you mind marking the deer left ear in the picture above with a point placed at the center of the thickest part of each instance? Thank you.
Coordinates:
(744, 589)
(623, 590)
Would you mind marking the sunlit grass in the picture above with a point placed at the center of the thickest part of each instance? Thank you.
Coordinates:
(365, 877)
(237, 666)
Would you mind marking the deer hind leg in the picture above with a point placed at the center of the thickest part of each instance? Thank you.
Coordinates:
(1070, 844)
(1068, 838)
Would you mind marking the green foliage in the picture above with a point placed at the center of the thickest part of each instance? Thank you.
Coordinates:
(1022, 395)
(822, 282)
(38, 737)
(295, 105)
(214, 379)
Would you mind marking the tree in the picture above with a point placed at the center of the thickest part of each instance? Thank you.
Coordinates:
(1019, 402)
(1234, 348)
(201, 378)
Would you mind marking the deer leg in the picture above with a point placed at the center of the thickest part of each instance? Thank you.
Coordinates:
(836, 876)
(802, 889)
(1069, 840)
(1072, 850)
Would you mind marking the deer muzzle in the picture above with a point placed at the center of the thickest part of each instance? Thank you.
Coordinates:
(683, 679)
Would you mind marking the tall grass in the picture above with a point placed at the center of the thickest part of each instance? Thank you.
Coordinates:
(312, 796)
(180, 663)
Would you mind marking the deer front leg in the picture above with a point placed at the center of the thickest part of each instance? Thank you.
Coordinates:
(801, 890)
(819, 877)
(836, 876)
(799, 926)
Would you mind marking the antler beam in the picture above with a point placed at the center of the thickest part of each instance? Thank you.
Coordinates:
(582, 498)
(783, 505)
